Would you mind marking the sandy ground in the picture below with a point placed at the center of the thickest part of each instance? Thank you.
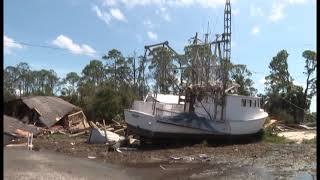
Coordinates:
(255, 160)
(299, 136)
(22, 164)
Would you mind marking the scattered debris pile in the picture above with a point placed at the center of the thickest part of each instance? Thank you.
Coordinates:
(114, 135)
(294, 132)
(98, 136)
(13, 129)
(48, 112)
(281, 127)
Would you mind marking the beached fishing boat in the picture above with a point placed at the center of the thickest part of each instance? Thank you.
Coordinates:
(206, 105)
(165, 116)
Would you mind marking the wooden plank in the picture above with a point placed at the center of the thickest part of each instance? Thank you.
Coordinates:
(74, 114)
(61, 132)
(116, 122)
(119, 130)
(93, 125)
(37, 111)
(104, 129)
(22, 133)
(78, 134)
(84, 119)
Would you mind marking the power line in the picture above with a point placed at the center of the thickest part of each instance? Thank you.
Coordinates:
(304, 111)
(44, 46)
(55, 48)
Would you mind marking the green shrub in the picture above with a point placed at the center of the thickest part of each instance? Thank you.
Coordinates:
(285, 117)
(309, 141)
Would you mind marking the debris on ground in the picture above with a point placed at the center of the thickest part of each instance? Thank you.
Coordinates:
(133, 141)
(92, 157)
(272, 121)
(307, 127)
(111, 139)
(162, 167)
(175, 158)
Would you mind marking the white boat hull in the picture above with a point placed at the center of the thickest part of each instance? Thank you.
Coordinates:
(148, 122)
(242, 115)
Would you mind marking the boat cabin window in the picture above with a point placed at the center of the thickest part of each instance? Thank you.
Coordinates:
(255, 103)
(243, 102)
(250, 102)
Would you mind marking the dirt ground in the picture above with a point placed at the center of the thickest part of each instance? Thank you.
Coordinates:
(254, 160)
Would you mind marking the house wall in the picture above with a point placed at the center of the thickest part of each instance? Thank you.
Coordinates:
(18, 110)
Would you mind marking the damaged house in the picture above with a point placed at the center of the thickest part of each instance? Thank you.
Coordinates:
(48, 112)
(15, 129)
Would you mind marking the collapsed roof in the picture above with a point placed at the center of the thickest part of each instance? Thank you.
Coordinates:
(51, 109)
(44, 111)
(11, 125)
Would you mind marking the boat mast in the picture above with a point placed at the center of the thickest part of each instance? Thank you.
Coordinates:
(226, 37)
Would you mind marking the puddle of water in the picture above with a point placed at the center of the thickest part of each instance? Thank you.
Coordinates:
(305, 176)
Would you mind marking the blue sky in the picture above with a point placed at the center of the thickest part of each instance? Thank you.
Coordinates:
(87, 29)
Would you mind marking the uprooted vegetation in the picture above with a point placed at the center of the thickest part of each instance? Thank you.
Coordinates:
(278, 132)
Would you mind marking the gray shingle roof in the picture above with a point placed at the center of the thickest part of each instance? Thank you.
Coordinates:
(51, 109)
(10, 124)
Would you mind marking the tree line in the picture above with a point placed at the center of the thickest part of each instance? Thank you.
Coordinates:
(108, 85)
(284, 99)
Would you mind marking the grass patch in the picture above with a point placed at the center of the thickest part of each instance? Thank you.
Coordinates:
(57, 136)
(309, 141)
(312, 124)
(204, 143)
(268, 119)
(271, 137)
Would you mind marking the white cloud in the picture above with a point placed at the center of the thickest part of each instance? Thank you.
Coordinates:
(152, 35)
(117, 14)
(9, 44)
(114, 13)
(65, 42)
(200, 3)
(296, 1)
(255, 11)
(163, 3)
(235, 12)
(278, 7)
(148, 24)
(104, 16)
(255, 30)
(133, 3)
(109, 2)
(277, 12)
(164, 14)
